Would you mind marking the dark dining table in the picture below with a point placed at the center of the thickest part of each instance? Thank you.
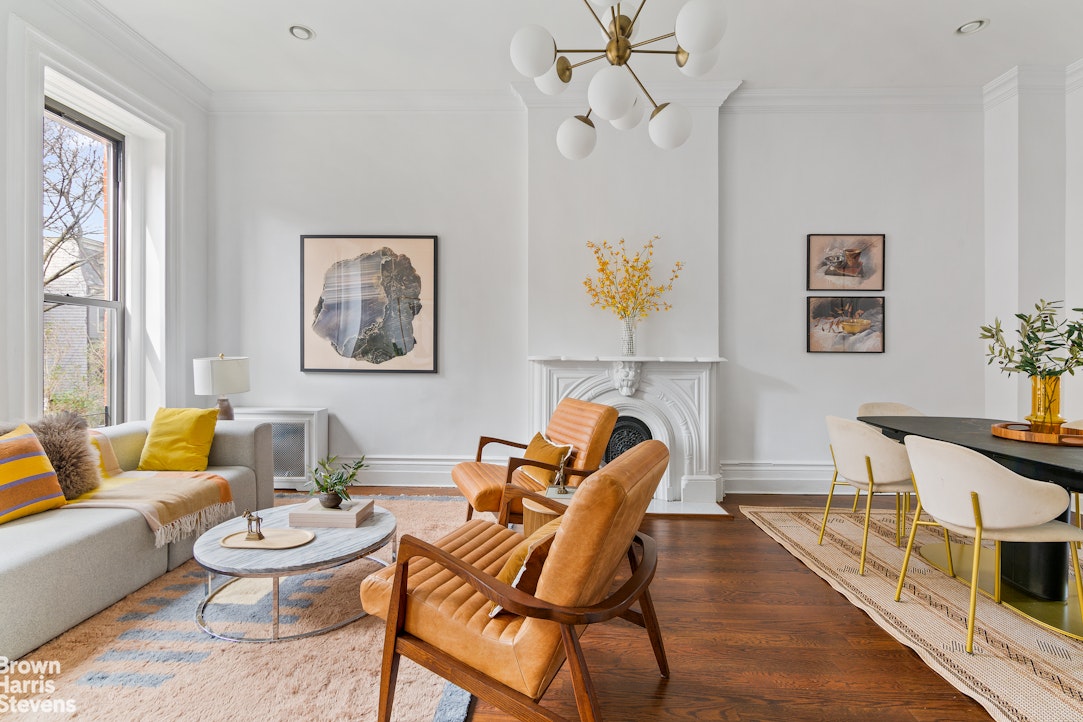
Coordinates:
(1040, 570)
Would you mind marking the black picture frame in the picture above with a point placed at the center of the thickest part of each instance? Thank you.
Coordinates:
(369, 303)
(845, 324)
(845, 262)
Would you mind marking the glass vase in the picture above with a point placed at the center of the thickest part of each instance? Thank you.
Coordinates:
(628, 336)
(1045, 415)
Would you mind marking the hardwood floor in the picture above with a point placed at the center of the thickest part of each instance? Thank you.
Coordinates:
(751, 634)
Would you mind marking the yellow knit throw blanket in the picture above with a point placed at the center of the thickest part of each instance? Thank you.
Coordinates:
(175, 504)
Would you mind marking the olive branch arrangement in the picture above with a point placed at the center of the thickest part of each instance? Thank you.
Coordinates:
(1047, 346)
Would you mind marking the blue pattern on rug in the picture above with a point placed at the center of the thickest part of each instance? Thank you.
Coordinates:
(123, 679)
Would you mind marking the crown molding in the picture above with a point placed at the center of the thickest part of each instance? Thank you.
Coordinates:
(1024, 79)
(363, 101)
(114, 33)
(691, 94)
(855, 100)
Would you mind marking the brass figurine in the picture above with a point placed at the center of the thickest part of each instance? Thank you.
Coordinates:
(254, 534)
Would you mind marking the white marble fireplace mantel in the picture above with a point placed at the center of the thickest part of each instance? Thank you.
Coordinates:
(675, 397)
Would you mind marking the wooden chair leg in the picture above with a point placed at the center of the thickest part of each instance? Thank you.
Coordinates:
(469, 511)
(586, 697)
(396, 622)
(648, 619)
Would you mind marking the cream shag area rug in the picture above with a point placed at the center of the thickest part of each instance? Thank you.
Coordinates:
(144, 658)
(1019, 670)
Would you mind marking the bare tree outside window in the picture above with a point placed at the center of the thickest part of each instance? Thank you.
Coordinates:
(79, 251)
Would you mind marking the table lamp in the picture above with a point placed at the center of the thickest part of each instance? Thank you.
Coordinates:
(221, 375)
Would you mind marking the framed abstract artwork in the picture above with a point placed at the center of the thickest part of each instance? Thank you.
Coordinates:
(845, 324)
(845, 262)
(368, 303)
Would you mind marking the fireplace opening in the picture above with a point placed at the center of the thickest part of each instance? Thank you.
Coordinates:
(628, 432)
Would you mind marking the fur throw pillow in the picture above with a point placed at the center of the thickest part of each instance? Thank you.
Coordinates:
(66, 440)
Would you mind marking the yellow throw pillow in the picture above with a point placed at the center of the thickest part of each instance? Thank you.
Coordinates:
(28, 483)
(523, 568)
(179, 440)
(543, 450)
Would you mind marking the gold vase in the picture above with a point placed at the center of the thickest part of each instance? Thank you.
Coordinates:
(1045, 415)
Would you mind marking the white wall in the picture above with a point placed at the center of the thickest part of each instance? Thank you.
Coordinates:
(297, 167)
(908, 167)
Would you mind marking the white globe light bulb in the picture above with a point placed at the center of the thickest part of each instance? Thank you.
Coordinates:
(551, 83)
(701, 63)
(576, 137)
(630, 119)
(533, 50)
(670, 126)
(604, 4)
(611, 92)
(700, 25)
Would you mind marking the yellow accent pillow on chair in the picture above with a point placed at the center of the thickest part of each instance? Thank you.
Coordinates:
(543, 450)
(179, 440)
(523, 568)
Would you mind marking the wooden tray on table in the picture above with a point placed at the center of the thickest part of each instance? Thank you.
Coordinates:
(1024, 432)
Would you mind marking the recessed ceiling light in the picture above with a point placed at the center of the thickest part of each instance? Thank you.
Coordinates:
(301, 32)
(971, 27)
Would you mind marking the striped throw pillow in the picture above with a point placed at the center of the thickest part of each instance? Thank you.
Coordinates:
(28, 483)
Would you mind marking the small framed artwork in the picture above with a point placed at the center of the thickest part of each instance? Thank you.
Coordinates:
(845, 324)
(845, 262)
(368, 303)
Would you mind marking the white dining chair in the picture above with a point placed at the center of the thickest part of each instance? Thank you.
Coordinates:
(886, 408)
(868, 461)
(973, 496)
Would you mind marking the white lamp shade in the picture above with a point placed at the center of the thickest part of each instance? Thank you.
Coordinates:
(670, 126)
(701, 63)
(630, 119)
(220, 375)
(576, 137)
(611, 92)
(533, 50)
(700, 25)
(550, 82)
(604, 4)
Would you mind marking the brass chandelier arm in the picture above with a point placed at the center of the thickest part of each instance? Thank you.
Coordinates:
(641, 86)
(658, 52)
(581, 50)
(596, 18)
(654, 40)
(636, 16)
(589, 60)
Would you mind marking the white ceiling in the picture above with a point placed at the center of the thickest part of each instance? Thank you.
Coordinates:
(244, 45)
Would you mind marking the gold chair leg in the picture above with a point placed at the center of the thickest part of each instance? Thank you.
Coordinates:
(857, 498)
(1078, 580)
(909, 550)
(996, 572)
(973, 594)
(827, 509)
(947, 549)
(865, 533)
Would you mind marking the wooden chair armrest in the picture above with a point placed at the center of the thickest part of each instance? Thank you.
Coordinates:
(486, 440)
(517, 492)
(521, 603)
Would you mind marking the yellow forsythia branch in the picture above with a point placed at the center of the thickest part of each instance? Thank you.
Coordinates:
(623, 284)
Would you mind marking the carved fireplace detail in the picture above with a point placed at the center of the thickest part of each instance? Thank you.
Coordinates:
(673, 398)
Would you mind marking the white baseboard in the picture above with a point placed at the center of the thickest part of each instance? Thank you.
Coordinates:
(744, 477)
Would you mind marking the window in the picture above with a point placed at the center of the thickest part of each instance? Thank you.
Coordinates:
(82, 352)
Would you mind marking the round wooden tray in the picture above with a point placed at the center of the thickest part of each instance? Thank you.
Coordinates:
(272, 539)
(1022, 432)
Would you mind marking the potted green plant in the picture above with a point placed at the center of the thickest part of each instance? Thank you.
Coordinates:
(332, 483)
(1048, 348)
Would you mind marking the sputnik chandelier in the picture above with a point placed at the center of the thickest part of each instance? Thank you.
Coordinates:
(613, 92)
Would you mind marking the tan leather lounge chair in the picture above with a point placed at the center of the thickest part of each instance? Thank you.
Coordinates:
(436, 597)
(583, 425)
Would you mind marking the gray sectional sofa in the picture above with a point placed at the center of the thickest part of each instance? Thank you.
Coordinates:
(62, 566)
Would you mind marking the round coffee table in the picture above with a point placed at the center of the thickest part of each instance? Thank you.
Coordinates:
(332, 547)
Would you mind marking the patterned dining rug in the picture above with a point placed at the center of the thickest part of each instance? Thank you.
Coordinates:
(144, 657)
(1019, 671)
